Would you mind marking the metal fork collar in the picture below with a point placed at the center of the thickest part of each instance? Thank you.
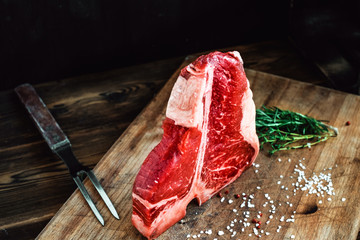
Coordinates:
(65, 153)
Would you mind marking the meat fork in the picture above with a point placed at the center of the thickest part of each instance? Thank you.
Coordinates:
(61, 146)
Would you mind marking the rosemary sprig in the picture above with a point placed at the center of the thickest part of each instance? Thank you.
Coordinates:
(284, 129)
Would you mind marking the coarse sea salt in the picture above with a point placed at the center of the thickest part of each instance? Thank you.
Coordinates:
(316, 184)
(319, 184)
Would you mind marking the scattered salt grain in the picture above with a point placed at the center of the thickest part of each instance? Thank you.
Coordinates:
(302, 166)
(230, 201)
(250, 205)
(343, 199)
(222, 199)
(220, 233)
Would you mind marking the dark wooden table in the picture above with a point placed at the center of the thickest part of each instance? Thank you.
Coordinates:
(93, 110)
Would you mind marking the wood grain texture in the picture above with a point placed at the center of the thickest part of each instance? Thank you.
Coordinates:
(93, 110)
(330, 220)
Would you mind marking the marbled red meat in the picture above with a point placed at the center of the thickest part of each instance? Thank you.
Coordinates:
(209, 140)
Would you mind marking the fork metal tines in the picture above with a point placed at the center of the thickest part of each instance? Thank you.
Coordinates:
(77, 170)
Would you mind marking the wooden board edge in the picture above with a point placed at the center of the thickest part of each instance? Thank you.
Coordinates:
(118, 141)
(252, 71)
(164, 90)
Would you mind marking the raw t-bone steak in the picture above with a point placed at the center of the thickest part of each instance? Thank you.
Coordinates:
(209, 140)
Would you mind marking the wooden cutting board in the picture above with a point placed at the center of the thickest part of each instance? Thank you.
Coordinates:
(340, 156)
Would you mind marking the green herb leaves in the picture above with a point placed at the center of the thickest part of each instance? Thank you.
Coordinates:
(284, 129)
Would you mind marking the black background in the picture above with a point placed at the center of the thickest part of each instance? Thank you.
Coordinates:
(48, 40)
